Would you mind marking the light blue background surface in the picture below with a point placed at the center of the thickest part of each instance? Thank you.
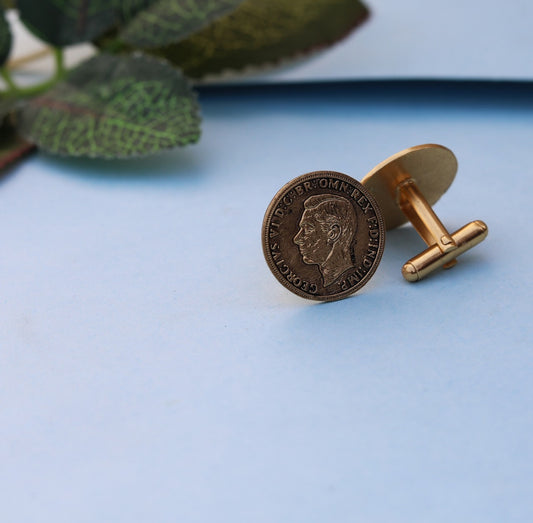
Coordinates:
(153, 370)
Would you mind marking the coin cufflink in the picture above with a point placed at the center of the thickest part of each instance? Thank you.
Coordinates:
(405, 186)
(323, 235)
(324, 232)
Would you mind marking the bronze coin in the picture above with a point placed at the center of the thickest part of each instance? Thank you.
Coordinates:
(323, 235)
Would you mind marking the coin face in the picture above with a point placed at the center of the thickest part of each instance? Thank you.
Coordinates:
(323, 235)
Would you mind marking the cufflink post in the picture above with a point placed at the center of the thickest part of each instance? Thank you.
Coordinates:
(406, 186)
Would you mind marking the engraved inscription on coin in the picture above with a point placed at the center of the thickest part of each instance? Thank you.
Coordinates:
(323, 235)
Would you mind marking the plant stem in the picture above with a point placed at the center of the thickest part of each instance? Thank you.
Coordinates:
(6, 76)
(15, 63)
(15, 90)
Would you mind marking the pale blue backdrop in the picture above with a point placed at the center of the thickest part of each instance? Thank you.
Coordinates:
(153, 370)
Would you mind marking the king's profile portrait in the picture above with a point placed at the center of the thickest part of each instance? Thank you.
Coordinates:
(326, 235)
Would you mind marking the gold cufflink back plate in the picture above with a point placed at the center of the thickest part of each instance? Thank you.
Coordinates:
(433, 167)
(406, 185)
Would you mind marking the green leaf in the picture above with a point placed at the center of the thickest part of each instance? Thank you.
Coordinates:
(265, 32)
(66, 22)
(169, 21)
(5, 37)
(114, 107)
